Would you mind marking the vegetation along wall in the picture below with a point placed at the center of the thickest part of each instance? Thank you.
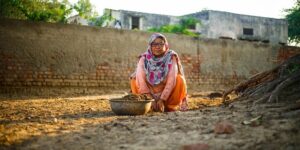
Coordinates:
(36, 57)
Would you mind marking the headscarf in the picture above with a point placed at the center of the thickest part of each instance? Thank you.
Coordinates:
(157, 68)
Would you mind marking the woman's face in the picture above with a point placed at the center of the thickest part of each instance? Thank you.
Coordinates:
(158, 47)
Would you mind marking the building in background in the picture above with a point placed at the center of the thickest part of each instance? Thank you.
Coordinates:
(140, 21)
(214, 24)
(217, 24)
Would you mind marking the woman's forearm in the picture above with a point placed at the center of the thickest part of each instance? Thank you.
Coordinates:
(141, 78)
(171, 81)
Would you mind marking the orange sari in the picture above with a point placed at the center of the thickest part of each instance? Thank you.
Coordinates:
(177, 99)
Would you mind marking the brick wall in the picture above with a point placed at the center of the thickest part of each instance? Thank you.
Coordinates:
(41, 57)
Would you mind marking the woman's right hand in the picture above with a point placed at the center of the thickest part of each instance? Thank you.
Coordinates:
(158, 105)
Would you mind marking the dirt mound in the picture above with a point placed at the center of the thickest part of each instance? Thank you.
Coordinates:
(136, 97)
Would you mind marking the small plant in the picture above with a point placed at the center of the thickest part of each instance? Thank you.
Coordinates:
(100, 21)
(182, 28)
(293, 68)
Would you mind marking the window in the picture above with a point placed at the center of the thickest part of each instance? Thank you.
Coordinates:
(135, 23)
(247, 31)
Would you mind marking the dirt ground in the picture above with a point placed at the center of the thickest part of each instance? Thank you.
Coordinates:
(87, 122)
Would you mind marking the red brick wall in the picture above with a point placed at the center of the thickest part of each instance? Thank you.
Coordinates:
(56, 58)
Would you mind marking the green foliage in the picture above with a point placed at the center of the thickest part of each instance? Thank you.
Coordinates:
(189, 22)
(45, 10)
(293, 18)
(60, 10)
(8, 10)
(85, 9)
(106, 17)
(293, 68)
(36, 10)
(182, 28)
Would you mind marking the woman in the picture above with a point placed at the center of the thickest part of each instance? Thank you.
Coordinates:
(159, 74)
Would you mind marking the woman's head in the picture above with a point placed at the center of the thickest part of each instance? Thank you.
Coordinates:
(158, 44)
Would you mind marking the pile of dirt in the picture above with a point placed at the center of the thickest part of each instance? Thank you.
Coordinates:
(136, 97)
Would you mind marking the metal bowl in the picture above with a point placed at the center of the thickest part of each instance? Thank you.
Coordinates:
(130, 107)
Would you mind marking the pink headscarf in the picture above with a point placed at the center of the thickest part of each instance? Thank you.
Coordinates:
(155, 36)
(157, 68)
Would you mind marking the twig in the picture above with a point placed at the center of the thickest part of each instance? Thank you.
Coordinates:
(293, 78)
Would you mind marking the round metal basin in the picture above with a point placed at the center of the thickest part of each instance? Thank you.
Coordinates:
(130, 107)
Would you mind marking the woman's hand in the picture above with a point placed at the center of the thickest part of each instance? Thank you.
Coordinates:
(149, 96)
(160, 105)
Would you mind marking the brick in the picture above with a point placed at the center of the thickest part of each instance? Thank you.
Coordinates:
(93, 84)
(81, 77)
(66, 83)
(28, 79)
(48, 72)
(85, 77)
(10, 67)
(39, 83)
(54, 80)
(73, 83)
(40, 76)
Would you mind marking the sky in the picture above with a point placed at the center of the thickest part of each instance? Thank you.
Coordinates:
(263, 8)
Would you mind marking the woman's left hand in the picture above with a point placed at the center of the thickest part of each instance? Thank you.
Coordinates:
(160, 105)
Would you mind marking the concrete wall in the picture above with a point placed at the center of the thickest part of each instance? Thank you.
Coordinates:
(36, 56)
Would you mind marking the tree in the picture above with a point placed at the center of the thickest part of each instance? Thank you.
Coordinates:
(103, 20)
(182, 28)
(85, 9)
(8, 9)
(36, 10)
(293, 18)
